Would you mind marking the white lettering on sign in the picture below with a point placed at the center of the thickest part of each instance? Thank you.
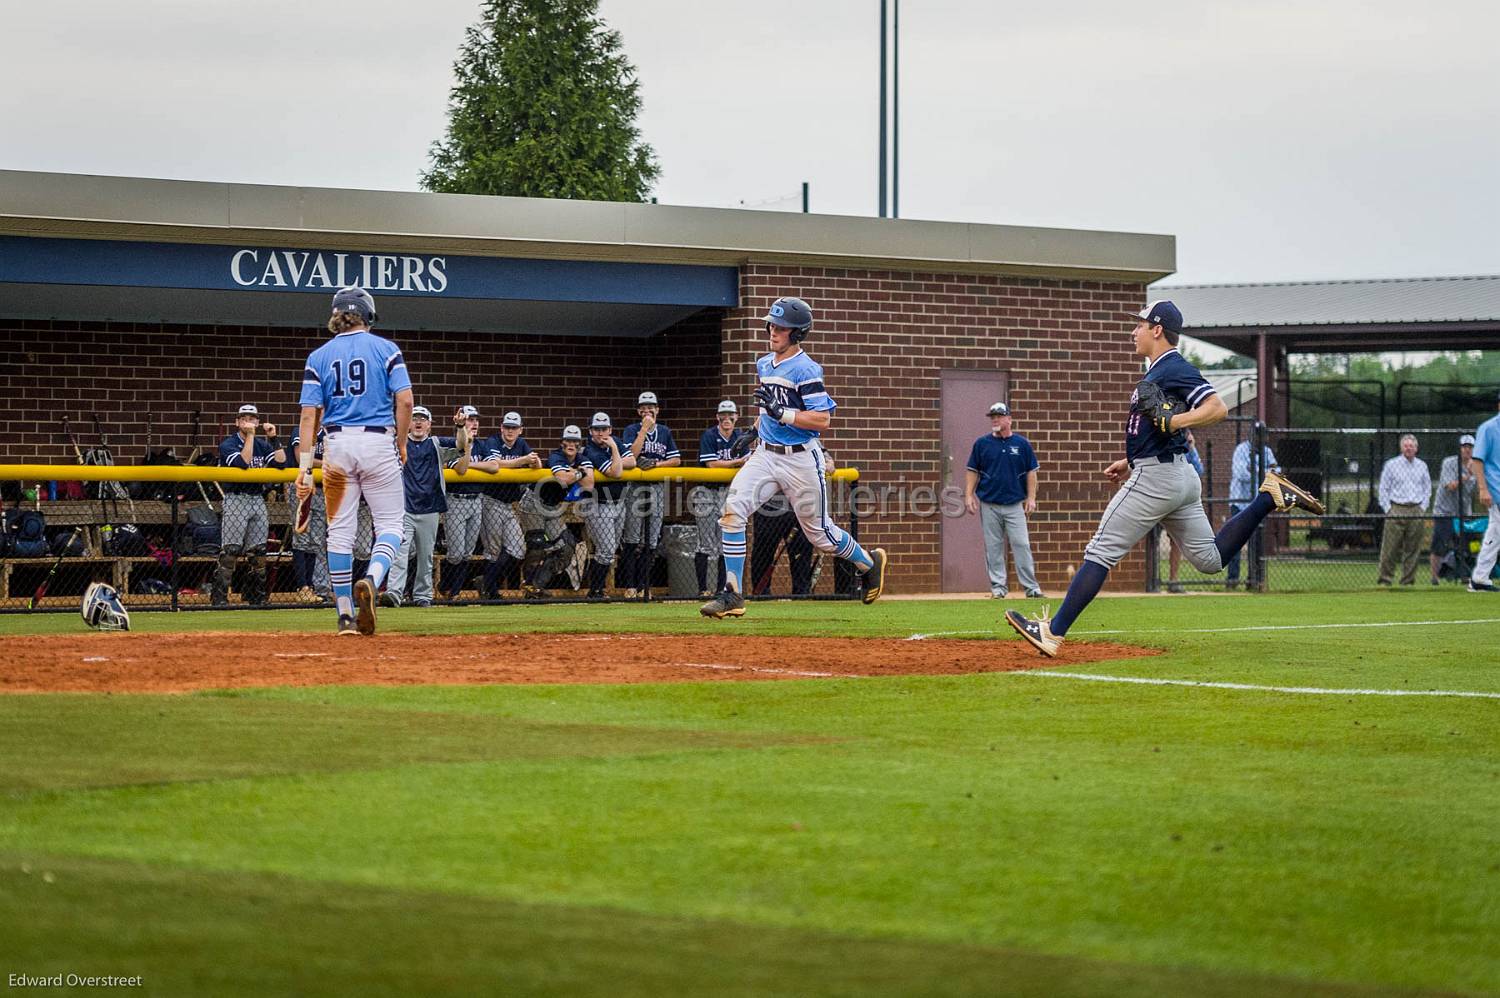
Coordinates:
(268, 268)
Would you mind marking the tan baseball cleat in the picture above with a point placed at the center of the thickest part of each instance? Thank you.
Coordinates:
(1037, 631)
(1288, 496)
(364, 606)
(727, 604)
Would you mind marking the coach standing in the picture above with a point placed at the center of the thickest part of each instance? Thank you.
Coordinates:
(1001, 487)
(1405, 488)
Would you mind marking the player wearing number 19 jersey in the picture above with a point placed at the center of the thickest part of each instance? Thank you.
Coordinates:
(359, 382)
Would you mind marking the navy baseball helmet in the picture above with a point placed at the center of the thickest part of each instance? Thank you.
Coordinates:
(357, 300)
(792, 314)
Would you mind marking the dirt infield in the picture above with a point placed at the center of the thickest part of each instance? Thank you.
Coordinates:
(178, 663)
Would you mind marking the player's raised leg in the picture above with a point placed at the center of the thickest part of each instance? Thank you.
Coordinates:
(803, 477)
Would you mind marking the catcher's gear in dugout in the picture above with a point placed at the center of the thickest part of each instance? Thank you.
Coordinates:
(1156, 405)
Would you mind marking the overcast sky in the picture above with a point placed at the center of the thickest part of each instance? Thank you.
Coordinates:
(1276, 140)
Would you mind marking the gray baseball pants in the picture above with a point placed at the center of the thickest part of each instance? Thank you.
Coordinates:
(1170, 494)
(1002, 522)
(418, 536)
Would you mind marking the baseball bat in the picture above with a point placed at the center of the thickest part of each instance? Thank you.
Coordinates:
(116, 489)
(193, 459)
(41, 590)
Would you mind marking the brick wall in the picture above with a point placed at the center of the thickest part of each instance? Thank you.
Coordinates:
(124, 371)
(882, 339)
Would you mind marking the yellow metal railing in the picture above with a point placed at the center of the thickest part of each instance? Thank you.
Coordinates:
(211, 473)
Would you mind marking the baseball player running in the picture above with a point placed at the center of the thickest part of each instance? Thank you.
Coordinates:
(604, 515)
(649, 445)
(795, 408)
(706, 499)
(1160, 487)
(504, 545)
(358, 383)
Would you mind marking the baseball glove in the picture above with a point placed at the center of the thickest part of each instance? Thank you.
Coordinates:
(1156, 405)
(645, 462)
(743, 444)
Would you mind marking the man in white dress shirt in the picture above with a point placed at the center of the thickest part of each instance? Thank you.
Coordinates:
(1405, 490)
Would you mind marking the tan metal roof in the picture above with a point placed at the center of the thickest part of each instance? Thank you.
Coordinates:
(1336, 303)
(73, 205)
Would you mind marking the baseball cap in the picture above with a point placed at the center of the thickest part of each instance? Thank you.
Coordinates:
(600, 421)
(421, 412)
(647, 398)
(1162, 313)
(728, 406)
(999, 409)
(512, 419)
(572, 432)
(467, 410)
(1467, 438)
(249, 410)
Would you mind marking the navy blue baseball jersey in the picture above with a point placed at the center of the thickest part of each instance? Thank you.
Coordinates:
(260, 457)
(1002, 464)
(507, 491)
(1180, 380)
(713, 446)
(797, 383)
(293, 455)
(600, 458)
(659, 443)
(422, 477)
(558, 460)
(354, 377)
(479, 450)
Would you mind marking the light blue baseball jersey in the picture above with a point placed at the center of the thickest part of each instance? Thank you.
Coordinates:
(354, 377)
(798, 384)
(1487, 450)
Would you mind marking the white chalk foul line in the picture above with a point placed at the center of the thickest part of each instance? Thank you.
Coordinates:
(1232, 630)
(1316, 690)
(756, 668)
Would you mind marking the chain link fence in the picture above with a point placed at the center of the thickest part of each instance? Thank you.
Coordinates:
(220, 544)
(1436, 539)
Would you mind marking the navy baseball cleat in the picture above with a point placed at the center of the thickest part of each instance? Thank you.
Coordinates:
(875, 577)
(364, 606)
(1288, 496)
(1035, 631)
(346, 625)
(727, 604)
(1481, 587)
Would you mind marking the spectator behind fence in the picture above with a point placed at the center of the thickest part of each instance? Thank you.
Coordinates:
(1000, 485)
(1456, 488)
(1486, 467)
(1175, 558)
(310, 548)
(246, 522)
(1405, 488)
(1242, 490)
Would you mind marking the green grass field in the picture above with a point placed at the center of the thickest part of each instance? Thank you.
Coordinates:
(990, 835)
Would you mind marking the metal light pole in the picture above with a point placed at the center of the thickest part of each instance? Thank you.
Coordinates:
(882, 109)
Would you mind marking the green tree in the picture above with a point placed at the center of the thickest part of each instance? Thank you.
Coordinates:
(544, 106)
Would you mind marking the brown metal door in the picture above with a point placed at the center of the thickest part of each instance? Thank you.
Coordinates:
(967, 396)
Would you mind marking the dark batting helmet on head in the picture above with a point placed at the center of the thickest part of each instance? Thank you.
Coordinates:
(791, 314)
(356, 300)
